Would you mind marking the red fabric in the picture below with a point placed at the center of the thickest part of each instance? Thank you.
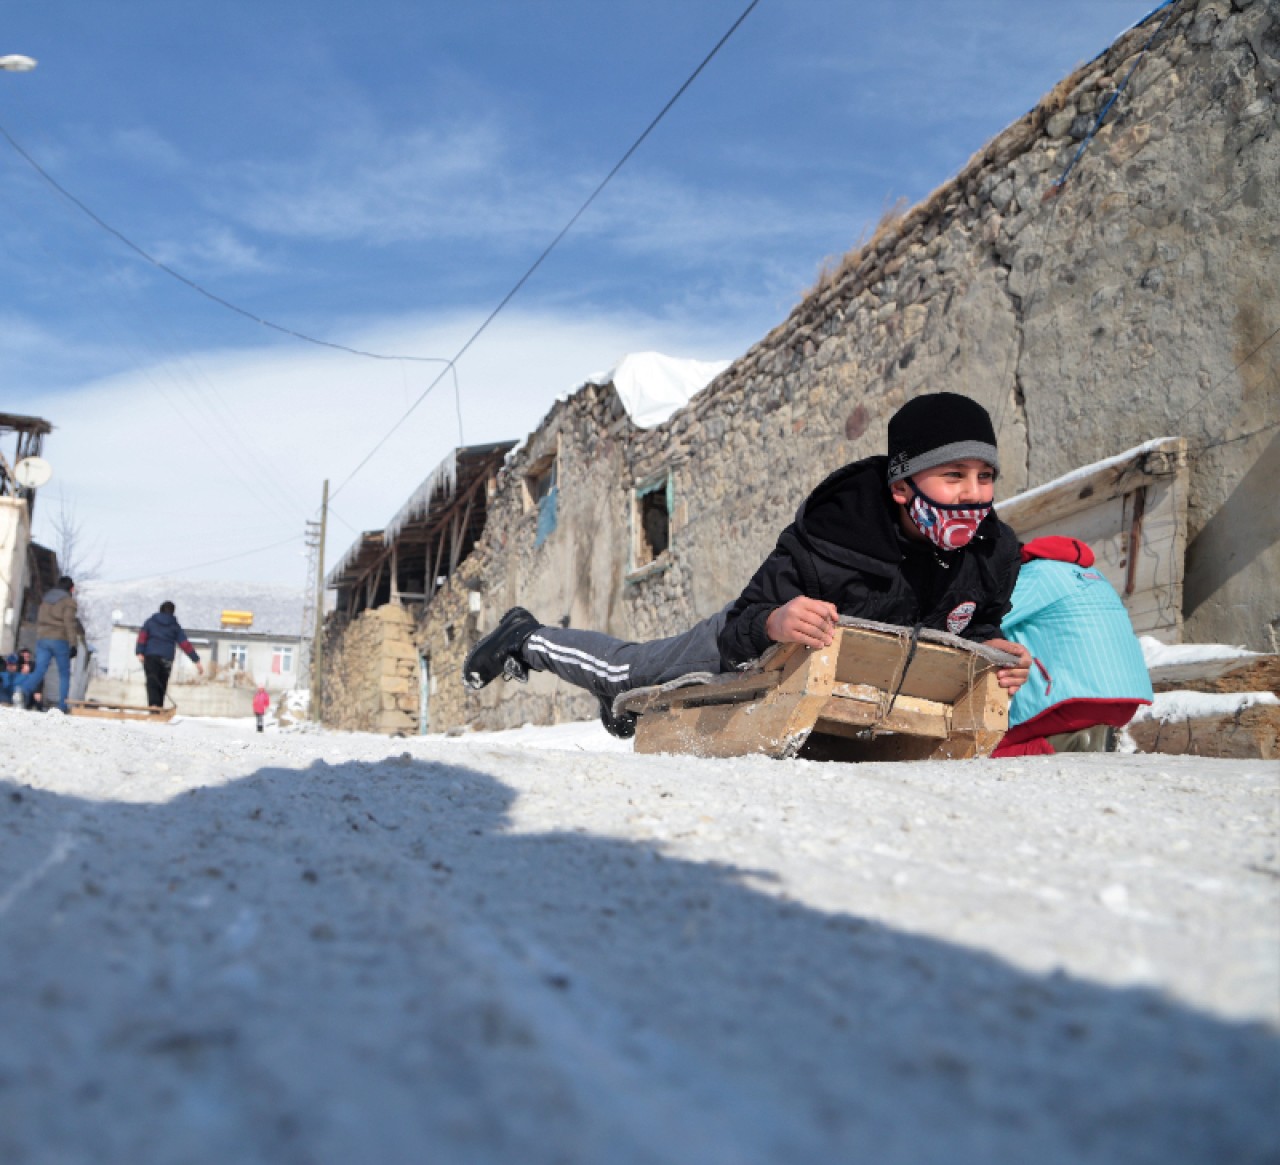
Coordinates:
(1029, 737)
(1059, 548)
(1037, 747)
(261, 702)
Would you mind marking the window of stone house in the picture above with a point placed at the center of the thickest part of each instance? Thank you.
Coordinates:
(539, 481)
(238, 656)
(651, 520)
(542, 492)
(281, 660)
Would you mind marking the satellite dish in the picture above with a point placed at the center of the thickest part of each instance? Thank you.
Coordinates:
(32, 472)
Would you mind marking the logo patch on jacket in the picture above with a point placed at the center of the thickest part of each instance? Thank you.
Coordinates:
(961, 617)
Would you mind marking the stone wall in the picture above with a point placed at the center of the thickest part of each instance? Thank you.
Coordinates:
(578, 573)
(371, 672)
(1136, 303)
(190, 699)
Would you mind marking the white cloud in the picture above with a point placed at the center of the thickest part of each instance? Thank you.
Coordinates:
(470, 182)
(141, 144)
(384, 187)
(24, 335)
(216, 250)
(210, 454)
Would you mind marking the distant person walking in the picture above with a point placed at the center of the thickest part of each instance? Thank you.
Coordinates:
(58, 632)
(157, 641)
(261, 702)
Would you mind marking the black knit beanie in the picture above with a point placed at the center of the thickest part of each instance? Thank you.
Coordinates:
(936, 428)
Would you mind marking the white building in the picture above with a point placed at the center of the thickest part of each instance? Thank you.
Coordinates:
(246, 634)
(232, 654)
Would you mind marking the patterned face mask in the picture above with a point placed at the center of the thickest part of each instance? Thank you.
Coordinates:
(947, 527)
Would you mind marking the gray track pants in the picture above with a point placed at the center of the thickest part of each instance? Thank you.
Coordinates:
(607, 666)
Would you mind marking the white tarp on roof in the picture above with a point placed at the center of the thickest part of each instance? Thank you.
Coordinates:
(653, 386)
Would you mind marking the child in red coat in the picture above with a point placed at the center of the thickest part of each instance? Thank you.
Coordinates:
(261, 702)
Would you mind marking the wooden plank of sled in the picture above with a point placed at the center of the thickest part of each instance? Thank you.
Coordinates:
(984, 708)
(968, 724)
(978, 720)
(852, 708)
(937, 672)
(776, 725)
(725, 690)
(119, 711)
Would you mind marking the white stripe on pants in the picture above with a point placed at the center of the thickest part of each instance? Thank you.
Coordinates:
(606, 666)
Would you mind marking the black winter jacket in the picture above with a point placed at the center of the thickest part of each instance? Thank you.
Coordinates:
(160, 635)
(845, 547)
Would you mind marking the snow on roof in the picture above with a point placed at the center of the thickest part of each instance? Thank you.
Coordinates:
(652, 386)
(442, 479)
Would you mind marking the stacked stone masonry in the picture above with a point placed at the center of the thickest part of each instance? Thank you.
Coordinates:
(371, 672)
(1136, 303)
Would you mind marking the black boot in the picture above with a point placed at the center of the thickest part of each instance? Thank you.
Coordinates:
(498, 653)
(623, 726)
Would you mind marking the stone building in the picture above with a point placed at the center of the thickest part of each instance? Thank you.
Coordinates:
(1135, 300)
(27, 569)
(375, 677)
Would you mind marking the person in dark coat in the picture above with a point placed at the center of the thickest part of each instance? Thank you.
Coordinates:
(160, 636)
(910, 538)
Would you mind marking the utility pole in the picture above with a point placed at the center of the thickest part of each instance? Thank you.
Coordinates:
(307, 625)
(317, 646)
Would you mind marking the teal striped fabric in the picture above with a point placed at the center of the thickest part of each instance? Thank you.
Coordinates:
(1071, 620)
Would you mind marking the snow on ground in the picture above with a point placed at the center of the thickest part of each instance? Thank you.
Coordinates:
(306, 946)
(1156, 654)
(1179, 705)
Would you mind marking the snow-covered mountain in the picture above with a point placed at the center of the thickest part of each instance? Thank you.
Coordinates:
(277, 610)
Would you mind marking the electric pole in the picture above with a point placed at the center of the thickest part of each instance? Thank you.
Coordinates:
(307, 626)
(317, 645)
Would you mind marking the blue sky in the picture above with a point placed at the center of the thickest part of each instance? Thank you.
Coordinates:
(380, 176)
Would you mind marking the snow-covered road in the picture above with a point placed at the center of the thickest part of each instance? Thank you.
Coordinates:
(219, 946)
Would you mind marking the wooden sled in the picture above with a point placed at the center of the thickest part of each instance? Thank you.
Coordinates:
(120, 711)
(877, 693)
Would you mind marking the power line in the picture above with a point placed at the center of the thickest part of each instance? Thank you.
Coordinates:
(506, 299)
(450, 363)
(184, 374)
(1057, 186)
(216, 561)
(266, 323)
(1238, 437)
(1217, 384)
(191, 283)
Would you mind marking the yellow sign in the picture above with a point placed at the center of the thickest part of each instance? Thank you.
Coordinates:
(237, 618)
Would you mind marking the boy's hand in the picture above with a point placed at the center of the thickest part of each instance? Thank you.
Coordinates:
(803, 620)
(1012, 678)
